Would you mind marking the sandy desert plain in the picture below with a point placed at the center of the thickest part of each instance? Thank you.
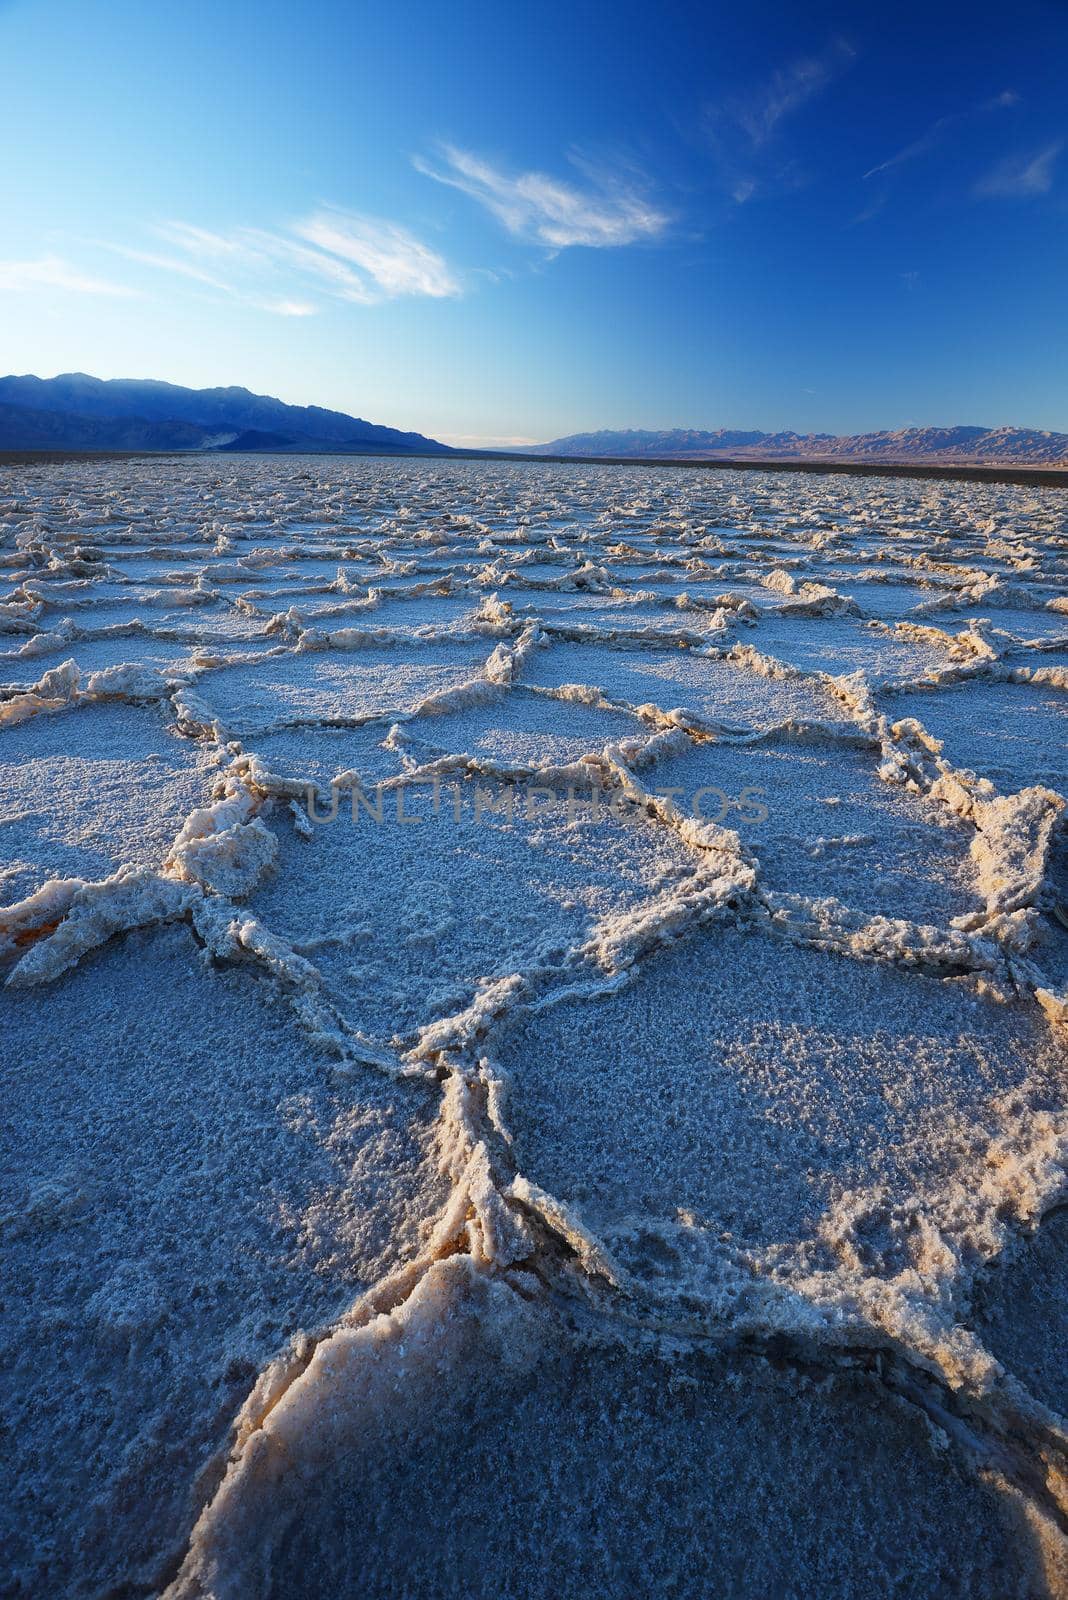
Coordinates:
(534, 1032)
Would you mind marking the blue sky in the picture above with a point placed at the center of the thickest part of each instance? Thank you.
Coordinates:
(505, 222)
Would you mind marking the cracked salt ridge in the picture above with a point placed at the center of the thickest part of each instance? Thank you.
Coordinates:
(470, 1394)
(407, 922)
(747, 1105)
(392, 612)
(367, 679)
(187, 621)
(1012, 733)
(218, 622)
(145, 566)
(833, 827)
(183, 1188)
(596, 610)
(889, 599)
(91, 788)
(833, 645)
(20, 669)
(1042, 624)
(524, 729)
(316, 754)
(85, 597)
(719, 688)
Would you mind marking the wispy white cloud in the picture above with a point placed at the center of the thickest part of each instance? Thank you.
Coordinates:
(744, 131)
(275, 252)
(237, 255)
(606, 212)
(1019, 177)
(789, 88)
(201, 241)
(288, 308)
(342, 254)
(50, 272)
(933, 135)
(395, 260)
(167, 263)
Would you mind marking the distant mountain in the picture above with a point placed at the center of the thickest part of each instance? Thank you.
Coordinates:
(25, 428)
(77, 412)
(989, 446)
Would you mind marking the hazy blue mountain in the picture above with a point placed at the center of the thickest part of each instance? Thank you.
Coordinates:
(92, 413)
(1018, 446)
(25, 428)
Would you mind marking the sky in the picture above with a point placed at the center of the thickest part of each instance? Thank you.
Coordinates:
(502, 223)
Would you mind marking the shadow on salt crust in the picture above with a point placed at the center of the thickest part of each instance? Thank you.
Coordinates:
(182, 1191)
(1051, 953)
(471, 1448)
(1019, 1311)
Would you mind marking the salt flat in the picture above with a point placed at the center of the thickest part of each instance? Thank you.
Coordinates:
(534, 1031)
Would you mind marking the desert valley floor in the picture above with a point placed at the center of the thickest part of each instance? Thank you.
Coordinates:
(534, 1034)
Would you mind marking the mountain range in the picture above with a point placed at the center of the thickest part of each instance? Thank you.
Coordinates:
(963, 445)
(77, 412)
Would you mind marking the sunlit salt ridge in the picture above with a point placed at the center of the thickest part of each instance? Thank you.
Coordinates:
(522, 980)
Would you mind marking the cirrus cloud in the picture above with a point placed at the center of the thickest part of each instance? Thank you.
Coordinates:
(333, 253)
(789, 88)
(744, 132)
(933, 135)
(393, 258)
(603, 214)
(1018, 177)
(51, 272)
